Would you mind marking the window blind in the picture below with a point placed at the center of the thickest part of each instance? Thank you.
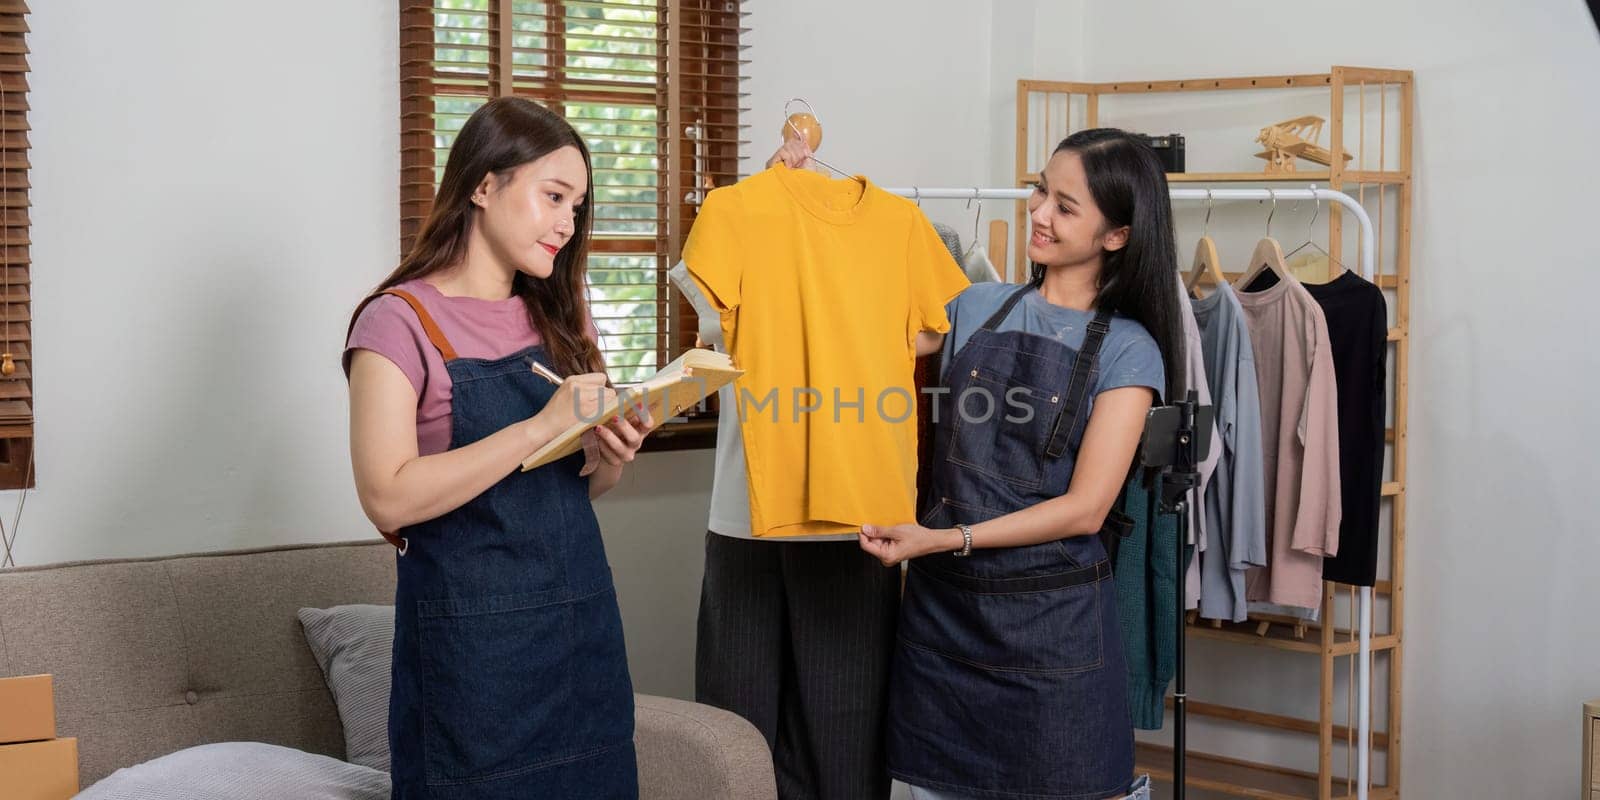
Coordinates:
(16, 321)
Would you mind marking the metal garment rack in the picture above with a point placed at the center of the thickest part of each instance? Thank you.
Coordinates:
(1364, 615)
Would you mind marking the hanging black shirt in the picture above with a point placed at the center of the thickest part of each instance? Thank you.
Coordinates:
(1358, 332)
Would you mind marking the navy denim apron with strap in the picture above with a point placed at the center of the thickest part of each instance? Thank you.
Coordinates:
(510, 678)
(1009, 677)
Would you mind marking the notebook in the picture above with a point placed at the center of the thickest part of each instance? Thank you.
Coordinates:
(674, 388)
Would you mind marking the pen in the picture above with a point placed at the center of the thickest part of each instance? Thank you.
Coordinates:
(544, 371)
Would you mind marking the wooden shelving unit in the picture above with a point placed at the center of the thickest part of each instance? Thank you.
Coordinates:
(1388, 171)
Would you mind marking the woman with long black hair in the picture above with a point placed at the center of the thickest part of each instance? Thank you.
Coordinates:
(1009, 678)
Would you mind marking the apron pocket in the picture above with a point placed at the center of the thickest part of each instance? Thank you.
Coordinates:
(499, 676)
(942, 512)
(999, 429)
(1081, 550)
(1038, 624)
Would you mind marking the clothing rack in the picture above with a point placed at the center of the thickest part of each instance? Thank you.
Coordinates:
(1367, 244)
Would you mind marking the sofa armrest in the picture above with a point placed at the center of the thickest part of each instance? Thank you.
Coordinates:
(689, 751)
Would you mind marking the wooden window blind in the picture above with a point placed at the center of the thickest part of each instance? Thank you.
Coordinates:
(652, 86)
(16, 329)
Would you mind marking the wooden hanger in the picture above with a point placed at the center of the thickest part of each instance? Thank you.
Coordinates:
(1268, 255)
(1205, 263)
(997, 245)
(1205, 257)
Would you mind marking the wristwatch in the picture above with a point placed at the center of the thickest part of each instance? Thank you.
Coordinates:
(966, 541)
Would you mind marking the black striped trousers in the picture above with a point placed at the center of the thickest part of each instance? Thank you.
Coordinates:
(796, 637)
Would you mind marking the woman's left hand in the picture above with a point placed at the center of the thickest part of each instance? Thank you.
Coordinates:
(897, 543)
(620, 438)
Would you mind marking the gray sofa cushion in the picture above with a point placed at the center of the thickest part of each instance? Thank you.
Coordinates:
(242, 771)
(354, 647)
(689, 751)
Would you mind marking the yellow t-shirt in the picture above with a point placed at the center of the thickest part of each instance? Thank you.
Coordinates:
(822, 286)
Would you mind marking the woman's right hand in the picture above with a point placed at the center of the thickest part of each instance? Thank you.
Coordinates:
(794, 154)
(578, 398)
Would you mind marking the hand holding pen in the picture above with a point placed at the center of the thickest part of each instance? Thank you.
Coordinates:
(584, 397)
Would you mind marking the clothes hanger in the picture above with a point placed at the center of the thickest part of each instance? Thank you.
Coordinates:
(998, 236)
(1268, 255)
(1311, 231)
(975, 262)
(1205, 257)
(976, 218)
(812, 136)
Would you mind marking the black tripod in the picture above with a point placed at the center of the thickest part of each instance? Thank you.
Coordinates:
(1174, 436)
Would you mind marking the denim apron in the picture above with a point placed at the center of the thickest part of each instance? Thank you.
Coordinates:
(510, 678)
(1009, 677)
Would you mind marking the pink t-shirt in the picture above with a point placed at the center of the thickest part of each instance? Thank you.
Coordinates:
(476, 328)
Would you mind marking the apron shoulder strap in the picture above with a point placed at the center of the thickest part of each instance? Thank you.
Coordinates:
(1098, 328)
(435, 334)
(1067, 421)
(1005, 308)
(436, 337)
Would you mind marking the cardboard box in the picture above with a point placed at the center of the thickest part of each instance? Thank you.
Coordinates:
(39, 770)
(30, 709)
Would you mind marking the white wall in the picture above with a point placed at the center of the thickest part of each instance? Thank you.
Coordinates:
(1035, 40)
(1500, 583)
(214, 186)
(898, 86)
(1039, 40)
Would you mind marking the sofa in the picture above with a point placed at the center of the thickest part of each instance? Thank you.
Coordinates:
(152, 656)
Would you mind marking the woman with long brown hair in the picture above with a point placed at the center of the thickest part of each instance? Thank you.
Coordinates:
(510, 677)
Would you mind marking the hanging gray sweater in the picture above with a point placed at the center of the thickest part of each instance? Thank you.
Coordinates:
(1235, 503)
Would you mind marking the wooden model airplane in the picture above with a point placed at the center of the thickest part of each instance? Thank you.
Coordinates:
(1293, 138)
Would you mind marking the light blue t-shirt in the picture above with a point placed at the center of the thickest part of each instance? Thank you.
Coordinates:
(1129, 355)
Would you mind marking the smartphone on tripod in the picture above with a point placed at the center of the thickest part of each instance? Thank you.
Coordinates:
(1159, 448)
